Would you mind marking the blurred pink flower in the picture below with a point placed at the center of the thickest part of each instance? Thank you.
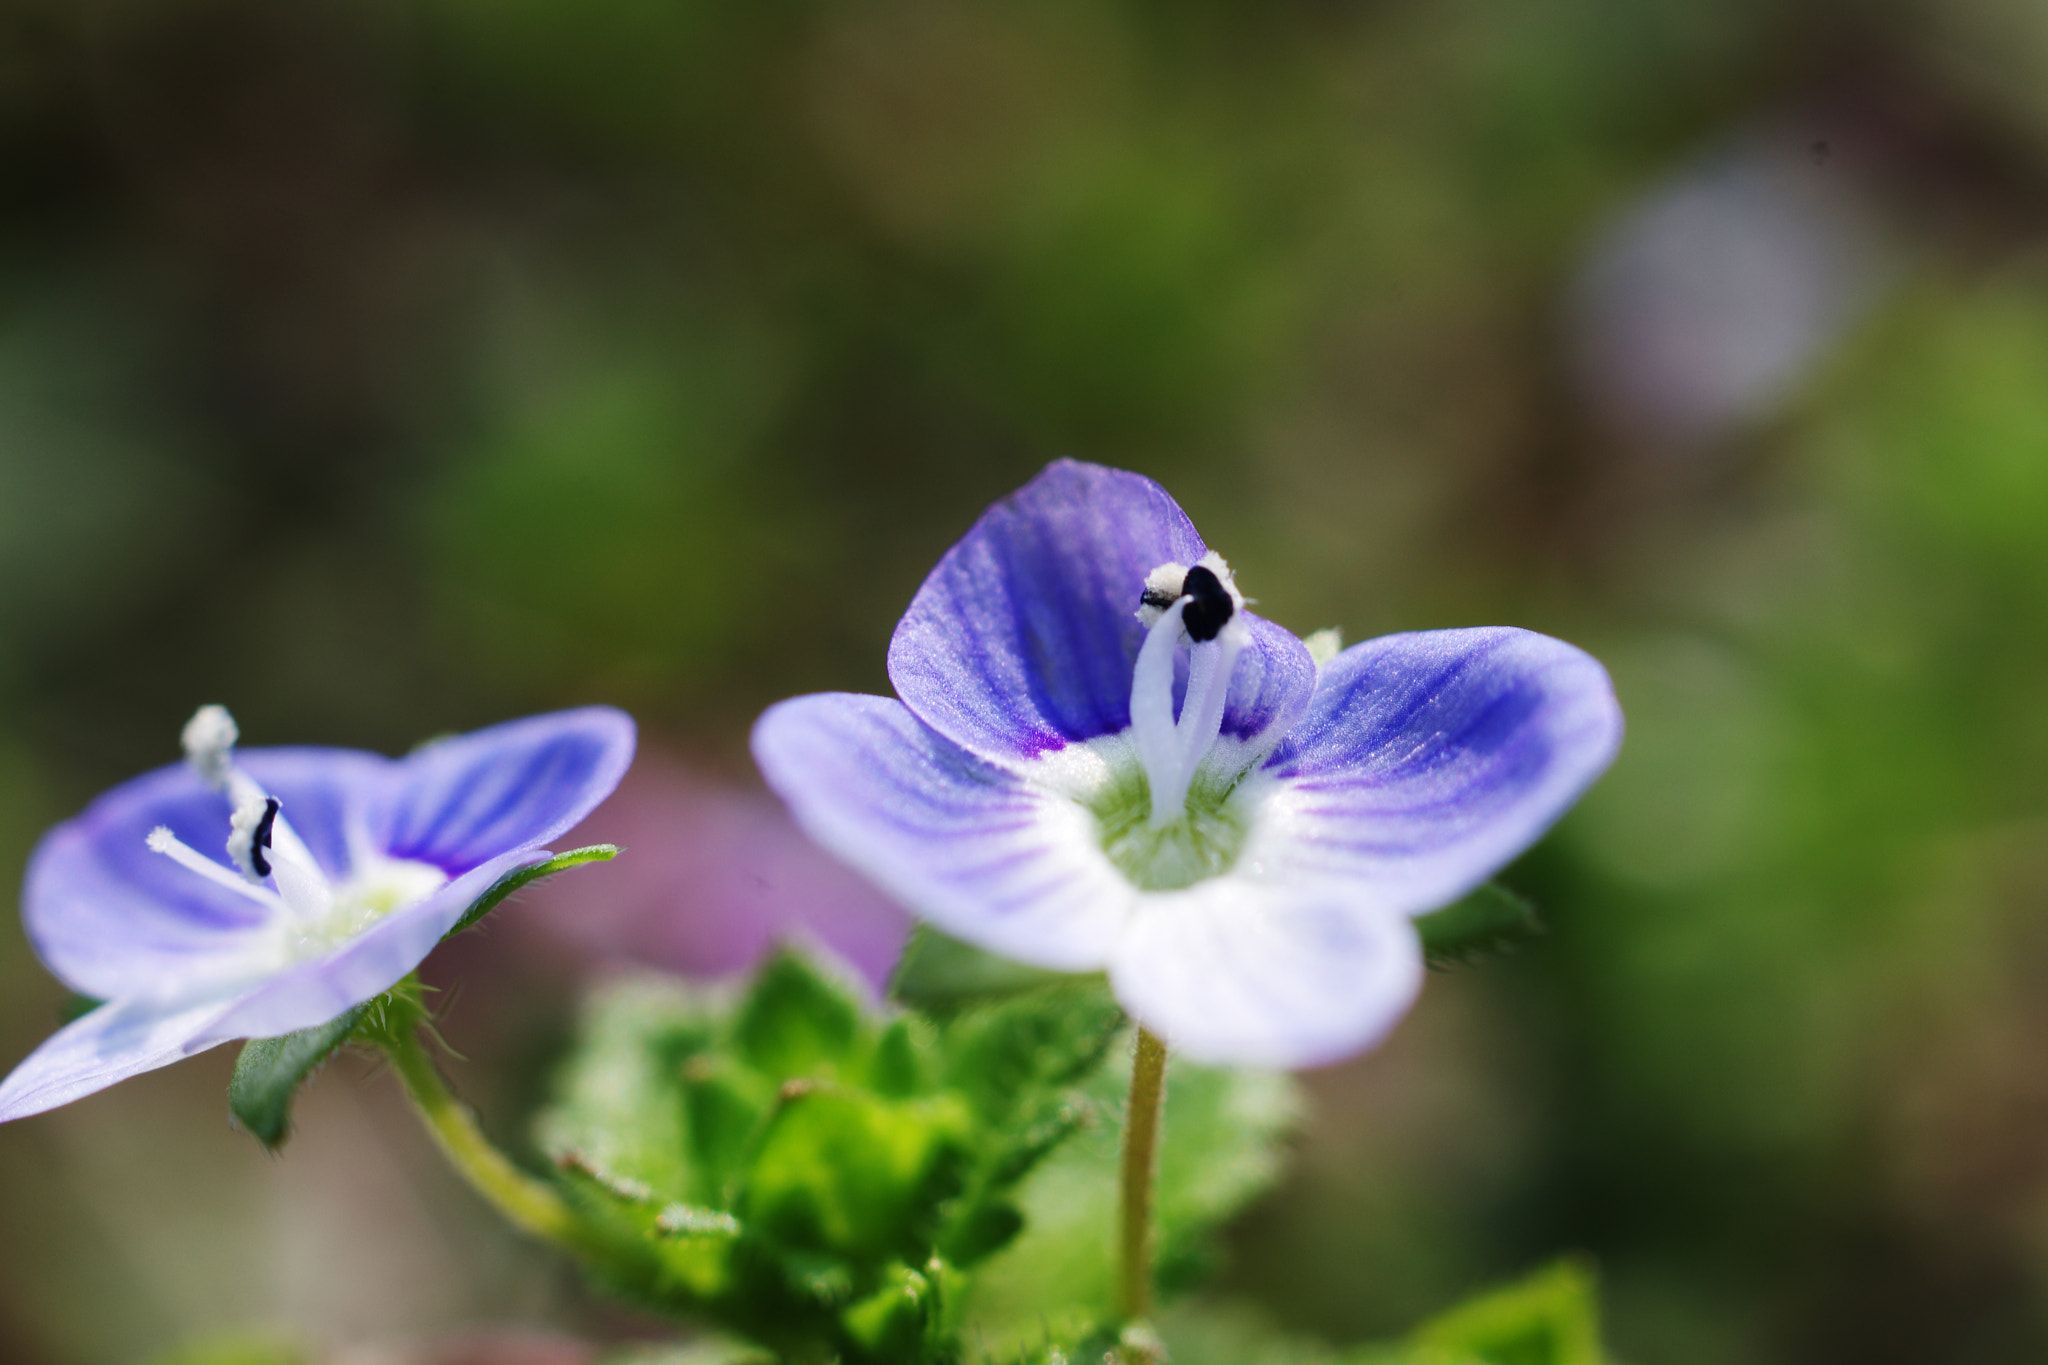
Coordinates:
(712, 876)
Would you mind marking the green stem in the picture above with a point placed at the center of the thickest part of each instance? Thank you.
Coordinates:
(1141, 1161)
(530, 1205)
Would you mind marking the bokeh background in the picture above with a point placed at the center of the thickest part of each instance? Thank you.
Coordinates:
(384, 369)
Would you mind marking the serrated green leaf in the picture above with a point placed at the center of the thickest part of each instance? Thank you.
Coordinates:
(939, 974)
(849, 1174)
(725, 1107)
(619, 1096)
(891, 1323)
(771, 1159)
(270, 1071)
(679, 1254)
(798, 1020)
(901, 1062)
(987, 1229)
(1219, 1147)
(1490, 921)
(527, 876)
(1005, 1056)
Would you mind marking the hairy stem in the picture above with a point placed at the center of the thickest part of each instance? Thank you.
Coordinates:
(1141, 1161)
(527, 1203)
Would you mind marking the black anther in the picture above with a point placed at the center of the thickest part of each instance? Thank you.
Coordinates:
(260, 840)
(1206, 616)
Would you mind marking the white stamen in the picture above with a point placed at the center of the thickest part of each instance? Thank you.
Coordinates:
(1201, 713)
(300, 881)
(1152, 729)
(209, 741)
(161, 840)
(243, 826)
(1171, 750)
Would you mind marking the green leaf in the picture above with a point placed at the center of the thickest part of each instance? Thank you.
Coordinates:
(1003, 1057)
(798, 1021)
(1550, 1318)
(271, 1070)
(852, 1175)
(1490, 921)
(619, 1101)
(1219, 1147)
(794, 1166)
(526, 876)
(939, 974)
(892, 1322)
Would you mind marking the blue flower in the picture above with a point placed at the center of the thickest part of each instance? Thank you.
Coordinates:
(342, 869)
(1103, 760)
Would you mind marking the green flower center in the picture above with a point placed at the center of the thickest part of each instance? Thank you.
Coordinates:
(1203, 843)
(370, 895)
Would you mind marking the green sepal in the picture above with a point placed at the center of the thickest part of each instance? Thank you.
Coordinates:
(270, 1071)
(940, 975)
(526, 876)
(1491, 921)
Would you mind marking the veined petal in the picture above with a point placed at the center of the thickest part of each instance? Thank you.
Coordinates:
(111, 1044)
(319, 988)
(112, 919)
(1426, 761)
(1236, 972)
(1022, 640)
(458, 802)
(966, 844)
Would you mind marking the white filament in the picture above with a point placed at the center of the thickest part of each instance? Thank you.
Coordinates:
(1171, 750)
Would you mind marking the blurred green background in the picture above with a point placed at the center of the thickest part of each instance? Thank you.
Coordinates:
(385, 369)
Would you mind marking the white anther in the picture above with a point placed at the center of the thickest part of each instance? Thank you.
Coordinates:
(209, 741)
(1162, 588)
(243, 827)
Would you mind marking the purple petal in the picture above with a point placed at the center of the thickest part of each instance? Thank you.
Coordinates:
(111, 1044)
(1427, 761)
(1238, 973)
(112, 919)
(460, 802)
(967, 845)
(1022, 640)
(316, 990)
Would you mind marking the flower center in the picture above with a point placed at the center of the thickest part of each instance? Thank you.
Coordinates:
(1203, 841)
(311, 912)
(1202, 605)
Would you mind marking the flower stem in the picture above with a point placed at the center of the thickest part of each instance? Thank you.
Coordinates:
(1141, 1162)
(530, 1205)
